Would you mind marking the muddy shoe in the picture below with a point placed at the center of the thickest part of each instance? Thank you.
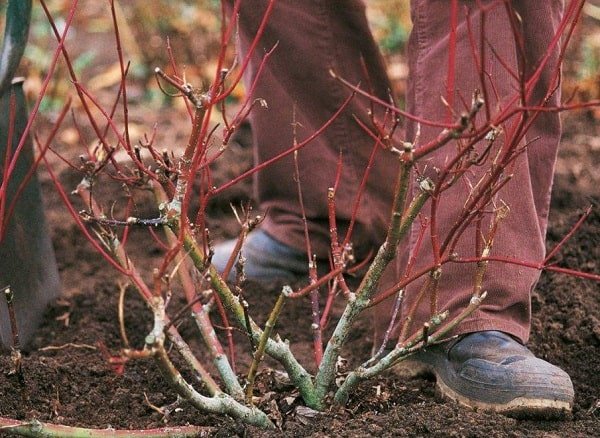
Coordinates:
(267, 259)
(491, 371)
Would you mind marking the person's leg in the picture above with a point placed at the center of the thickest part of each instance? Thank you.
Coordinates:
(315, 36)
(311, 38)
(522, 234)
(487, 368)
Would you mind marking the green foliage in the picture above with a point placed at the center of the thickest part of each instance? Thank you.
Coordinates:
(395, 36)
(390, 20)
(589, 65)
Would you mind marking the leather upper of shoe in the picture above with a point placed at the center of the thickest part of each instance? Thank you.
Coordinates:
(493, 367)
(492, 346)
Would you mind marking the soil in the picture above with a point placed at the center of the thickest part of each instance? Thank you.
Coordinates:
(69, 379)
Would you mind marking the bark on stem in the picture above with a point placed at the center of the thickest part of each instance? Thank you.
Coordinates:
(277, 349)
(34, 428)
(119, 255)
(402, 352)
(400, 224)
(262, 345)
(221, 403)
(202, 320)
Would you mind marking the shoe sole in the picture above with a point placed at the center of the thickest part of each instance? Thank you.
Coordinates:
(520, 407)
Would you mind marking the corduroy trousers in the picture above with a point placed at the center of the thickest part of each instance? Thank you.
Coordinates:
(313, 37)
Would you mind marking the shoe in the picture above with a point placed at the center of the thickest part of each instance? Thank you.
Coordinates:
(491, 371)
(267, 259)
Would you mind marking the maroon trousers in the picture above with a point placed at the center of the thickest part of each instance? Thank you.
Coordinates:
(315, 36)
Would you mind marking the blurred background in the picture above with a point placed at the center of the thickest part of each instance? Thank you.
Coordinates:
(191, 29)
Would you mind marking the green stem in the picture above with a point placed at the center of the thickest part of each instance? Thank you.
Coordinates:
(221, 404)
(188, 355)
(37, 429)
(174, 336)
(401, 352)
(262, 345)
(275, 348)
(206, 328)
(399, 226)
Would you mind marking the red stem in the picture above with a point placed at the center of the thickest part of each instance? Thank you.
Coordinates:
(75, 215)
(9, 169)
(529, 264)
(246, 60)
(564, 240)
(391, 107)
(363, 182)
(12, 109)
(284, 154)
(123, 73)
(31, 171)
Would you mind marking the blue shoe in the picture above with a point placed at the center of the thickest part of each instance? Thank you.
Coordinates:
(491, 371)
(267, 259)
